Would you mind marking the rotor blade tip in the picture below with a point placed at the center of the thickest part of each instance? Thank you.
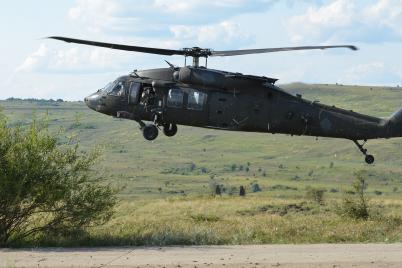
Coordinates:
(53, 37)
(354, 48)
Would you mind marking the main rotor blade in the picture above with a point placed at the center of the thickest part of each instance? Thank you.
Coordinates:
(227, 53)
(159, 51)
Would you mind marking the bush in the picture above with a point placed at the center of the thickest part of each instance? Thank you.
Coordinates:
(377, 192)
(204, 218)
(216, 189)
(255, 188)
(355, 203)
(233, 167)
(46, 188)
(315, 194)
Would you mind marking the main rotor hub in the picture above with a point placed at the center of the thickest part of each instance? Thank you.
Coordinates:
(196, 53)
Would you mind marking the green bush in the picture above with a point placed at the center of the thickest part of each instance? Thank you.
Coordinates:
(355, 203)
(45, 188)
(255, 187)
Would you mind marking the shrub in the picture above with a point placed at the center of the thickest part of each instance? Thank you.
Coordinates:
(233, 167)
(199, 218)
(377, 192)
(315, 194)
(46, 188)
(355, 203)
(216, 189)
(255, 188)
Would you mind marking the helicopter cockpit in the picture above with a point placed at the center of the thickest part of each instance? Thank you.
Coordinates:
(106, 97)
(120, 94)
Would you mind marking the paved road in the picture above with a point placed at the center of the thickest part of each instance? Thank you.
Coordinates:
(321, 255)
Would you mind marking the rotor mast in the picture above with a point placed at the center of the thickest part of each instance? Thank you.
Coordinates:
(196, 61)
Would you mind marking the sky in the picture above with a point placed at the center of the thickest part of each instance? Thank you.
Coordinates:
(35, 67)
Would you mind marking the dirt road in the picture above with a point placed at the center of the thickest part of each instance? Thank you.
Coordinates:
(322, 255)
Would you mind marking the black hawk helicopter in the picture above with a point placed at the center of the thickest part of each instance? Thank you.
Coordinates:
(202, 97)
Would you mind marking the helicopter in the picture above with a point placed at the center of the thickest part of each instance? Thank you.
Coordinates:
(198, 96)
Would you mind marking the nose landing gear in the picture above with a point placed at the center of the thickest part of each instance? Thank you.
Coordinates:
(368, 157)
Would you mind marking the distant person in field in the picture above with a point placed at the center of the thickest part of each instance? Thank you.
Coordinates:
(242, 191)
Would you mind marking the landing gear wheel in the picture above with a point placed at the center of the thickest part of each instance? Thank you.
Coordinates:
(369, 159)
(170, 129)
(150, 132)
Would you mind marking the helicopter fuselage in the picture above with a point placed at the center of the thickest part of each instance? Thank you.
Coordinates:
(208, 98)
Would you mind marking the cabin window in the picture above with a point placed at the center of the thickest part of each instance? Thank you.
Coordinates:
(175, 98)
(134, 92)
(196, 100)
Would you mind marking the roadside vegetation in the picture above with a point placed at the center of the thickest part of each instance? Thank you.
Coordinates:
(186, 189)
(246, 220)
(47, 189)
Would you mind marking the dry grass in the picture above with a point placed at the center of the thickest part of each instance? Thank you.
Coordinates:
(235, 220)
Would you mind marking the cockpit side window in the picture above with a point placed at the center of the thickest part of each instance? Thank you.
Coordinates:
(175, 98)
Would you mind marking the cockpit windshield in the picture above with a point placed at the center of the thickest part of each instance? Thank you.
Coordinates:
(114, 88)
(109, 87)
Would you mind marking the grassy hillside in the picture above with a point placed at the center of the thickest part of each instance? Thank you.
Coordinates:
(186, 167)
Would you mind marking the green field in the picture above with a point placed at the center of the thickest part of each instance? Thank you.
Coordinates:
(165, 185)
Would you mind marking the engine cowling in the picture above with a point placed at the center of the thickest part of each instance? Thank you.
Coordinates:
(198, 76)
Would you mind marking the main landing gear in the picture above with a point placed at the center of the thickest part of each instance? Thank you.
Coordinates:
(368, 157)
(170, 129)
(151, 131)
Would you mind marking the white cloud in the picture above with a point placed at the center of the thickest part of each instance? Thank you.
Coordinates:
(95, 14)
(33, 60)
(115, 16)
(316, 20)
(124, 16)
(222, 33)
(361, 71)
(71, 59)
(197, 6)
(387, 13)
(343, 20)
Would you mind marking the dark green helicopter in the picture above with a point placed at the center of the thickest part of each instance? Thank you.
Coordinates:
(201, 97)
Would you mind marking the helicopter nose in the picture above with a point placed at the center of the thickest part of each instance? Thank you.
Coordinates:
(92, 101)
